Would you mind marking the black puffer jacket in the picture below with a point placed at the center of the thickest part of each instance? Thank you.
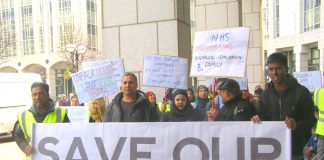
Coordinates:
(295, 102)
(236, 109)
(142, 111)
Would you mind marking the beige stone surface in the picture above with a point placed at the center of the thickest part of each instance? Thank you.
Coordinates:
(200, 18)
(250, 73)
(155, 10)
(251, 39)
(233, 14)
(253, 56)
(222, 1)
(257, 71)
(252, 20)
(257, 39)
(168, 37)
(216, 16)
(135, 41)
(246, 6)
(119, 12)
(256, 5)
(111, 42)
(203, 2)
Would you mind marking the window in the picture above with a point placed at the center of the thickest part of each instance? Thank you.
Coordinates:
(92, 24)
(314, 62)
(291, 57)
(311, 14)
(7, 29)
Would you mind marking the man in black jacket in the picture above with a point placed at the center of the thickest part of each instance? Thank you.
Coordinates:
(235, 108)
(284, 99)
(130, 105)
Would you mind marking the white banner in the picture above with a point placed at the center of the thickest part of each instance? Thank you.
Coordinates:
(95, 83)
(165, 71)
(310, 80)
(177, 140)
(220, 53)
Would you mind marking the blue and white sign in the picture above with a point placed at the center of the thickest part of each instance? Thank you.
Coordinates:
(165, 71)
(310, 80)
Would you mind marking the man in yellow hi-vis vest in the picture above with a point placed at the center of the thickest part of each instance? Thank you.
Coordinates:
(42, 111)
(319, 103)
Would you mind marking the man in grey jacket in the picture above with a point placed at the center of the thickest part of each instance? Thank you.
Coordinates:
(130, 105)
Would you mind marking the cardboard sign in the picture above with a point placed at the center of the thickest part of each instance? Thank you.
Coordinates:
(220, 53)
(165, 71)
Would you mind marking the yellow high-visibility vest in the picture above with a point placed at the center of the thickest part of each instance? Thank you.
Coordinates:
(26, 119)
(319, 102)
(167, 108)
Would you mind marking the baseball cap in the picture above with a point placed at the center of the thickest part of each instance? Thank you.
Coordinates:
(229, 84)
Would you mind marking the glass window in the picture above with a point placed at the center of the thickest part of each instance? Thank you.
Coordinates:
(314, 62)
(311, 14)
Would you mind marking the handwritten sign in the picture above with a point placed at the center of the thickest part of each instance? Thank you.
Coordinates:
(220, 53)
(165, 71)
(310, 80)
(95, 83)
(117, 66)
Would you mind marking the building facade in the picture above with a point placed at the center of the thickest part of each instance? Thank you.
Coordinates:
(35, 34)
(295, 29)
(166, 27)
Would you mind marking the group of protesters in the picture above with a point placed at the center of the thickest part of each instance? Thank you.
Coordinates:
(283, 99)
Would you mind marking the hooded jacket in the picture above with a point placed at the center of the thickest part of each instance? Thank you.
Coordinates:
(295, 102)
(142, 111)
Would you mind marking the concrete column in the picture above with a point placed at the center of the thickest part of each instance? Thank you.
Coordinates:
(301, 58)
(134, 28)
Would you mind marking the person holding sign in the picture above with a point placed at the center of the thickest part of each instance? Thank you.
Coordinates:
(42, 110)
(181, 109)
(235, 108)
(284, 99)
(130, 105)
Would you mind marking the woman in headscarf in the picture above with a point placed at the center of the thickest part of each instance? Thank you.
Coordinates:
(181, 110)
